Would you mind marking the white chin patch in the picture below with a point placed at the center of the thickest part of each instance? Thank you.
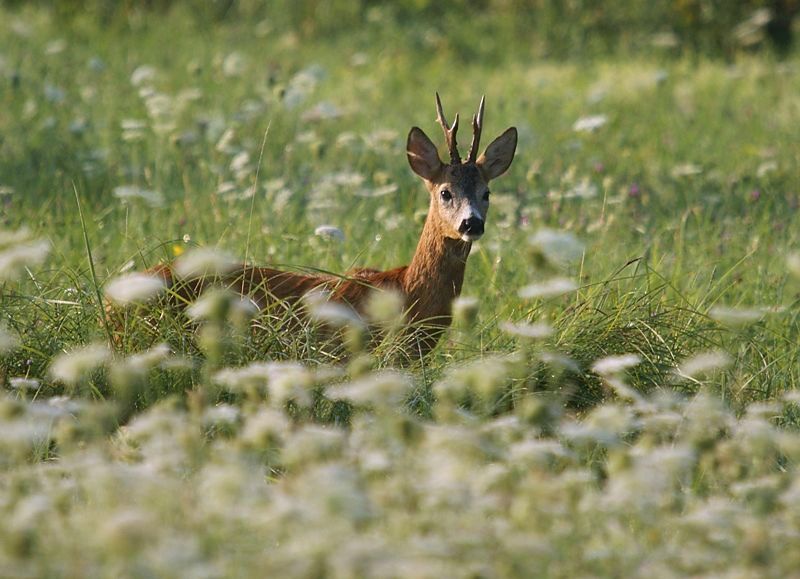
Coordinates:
(469, 238)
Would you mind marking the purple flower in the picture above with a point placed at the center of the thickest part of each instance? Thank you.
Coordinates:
(634, 190)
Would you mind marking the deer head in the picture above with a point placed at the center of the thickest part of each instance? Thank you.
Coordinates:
(460, 189)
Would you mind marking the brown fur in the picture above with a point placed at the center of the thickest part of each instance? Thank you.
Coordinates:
(432, 280)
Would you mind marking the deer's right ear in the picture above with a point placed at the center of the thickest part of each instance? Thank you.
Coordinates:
(422, 155)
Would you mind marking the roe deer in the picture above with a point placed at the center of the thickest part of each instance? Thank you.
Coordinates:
(459, 202)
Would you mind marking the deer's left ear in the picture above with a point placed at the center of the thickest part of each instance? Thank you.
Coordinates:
(498, 155)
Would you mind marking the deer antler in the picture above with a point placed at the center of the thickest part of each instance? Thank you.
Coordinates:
(477, 127)
(449, 132)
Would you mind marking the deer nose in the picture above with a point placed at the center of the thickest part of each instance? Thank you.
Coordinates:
(471, 226)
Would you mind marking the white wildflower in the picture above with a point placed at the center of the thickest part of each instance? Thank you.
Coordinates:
(322, 111)
(329, 232)
(589, 124)
(71, 367)
(385, 306)
(14, 237)
(793, 264)
(15, 258)
(791, 396)
(560, 248)
(134, 288)
(585, 189)
(8, 340)
(613, 365)
(465, 310)
(127, 193)
(234, 64)
(221, 415)
(56, 46)
(686, 170)
(313, 444)
(143, 74)
(202, 262)
(240, 162)
(377, 191)
(133, 130)
(537, 331)
(702, 364)
(144, 361)
(552, 287)
(24, 383)
(735, 316)
(336, 314)
(387, 388)
(54, 94)
(216, 304)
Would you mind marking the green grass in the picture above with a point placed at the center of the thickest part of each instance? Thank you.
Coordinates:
(718, 235)
(685, 198)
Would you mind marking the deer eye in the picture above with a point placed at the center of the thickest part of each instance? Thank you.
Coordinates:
(446, 195)
(486, 195)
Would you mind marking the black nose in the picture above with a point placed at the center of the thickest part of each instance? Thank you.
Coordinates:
(471, 226)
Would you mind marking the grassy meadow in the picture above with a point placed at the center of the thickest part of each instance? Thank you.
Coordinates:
(620, 398)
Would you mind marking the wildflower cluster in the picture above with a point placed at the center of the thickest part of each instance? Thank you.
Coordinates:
(668, 484)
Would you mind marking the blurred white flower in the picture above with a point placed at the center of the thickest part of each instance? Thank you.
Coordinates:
(143, 74)
(385, 306)
(329, 232)
(552, 287)
(324, 110)
(311, 443)
(590, 123)
(134, 288)
(221, 415)
(336, 314)
(377, 191)
(613, 365)
(585, 189)
(144, 361)
(24, 383)
(686, 170)
(465, 310)
(240, 162)
(133, 130)
(735, 316)
(234, 64)
(56, 46)
(702, 364)
(381, 389)
(301, 85)
(8, 340)
(71, 367)
(537, 331)
(128, 193)
(54, 94)
(202, 262)
(793, 264)
(217, 304)
(558, 247)
(23, 254)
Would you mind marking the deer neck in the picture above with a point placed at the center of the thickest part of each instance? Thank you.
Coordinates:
(436, 273)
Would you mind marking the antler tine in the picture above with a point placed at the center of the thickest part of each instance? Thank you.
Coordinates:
(477, 127)
(449, 131)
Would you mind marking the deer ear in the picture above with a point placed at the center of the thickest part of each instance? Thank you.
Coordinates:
(422, 155)
(498, 155)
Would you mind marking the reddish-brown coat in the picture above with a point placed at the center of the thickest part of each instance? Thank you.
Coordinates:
(434, 278)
